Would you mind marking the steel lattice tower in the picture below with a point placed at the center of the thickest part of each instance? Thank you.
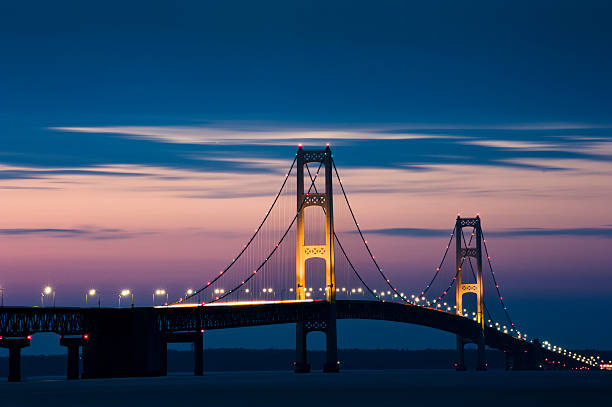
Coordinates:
(324, 200)
(327, 323)
(462, 288)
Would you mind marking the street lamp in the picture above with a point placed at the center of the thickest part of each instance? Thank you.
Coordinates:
(47, 291)
(126, 293)
(92, 293)
(160, 292)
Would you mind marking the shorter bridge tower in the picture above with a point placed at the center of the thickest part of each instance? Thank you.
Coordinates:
(325, 251)
(461, 288)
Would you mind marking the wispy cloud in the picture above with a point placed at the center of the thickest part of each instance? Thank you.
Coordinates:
(17, 187)
(36, 174)
(83, 233)
(519, 232)
(241, 147)
(254, 133)
(595, 232)
(512, 144)
(411, 232)
(502, 126)
(241, 135)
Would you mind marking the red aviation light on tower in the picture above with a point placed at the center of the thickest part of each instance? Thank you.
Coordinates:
(300, 145)
(326, 144)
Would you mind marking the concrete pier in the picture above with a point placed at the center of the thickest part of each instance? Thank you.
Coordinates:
(196, 338)
(14, 345)
(301, 364)
(73, 343)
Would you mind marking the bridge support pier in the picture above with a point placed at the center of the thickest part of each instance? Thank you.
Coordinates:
(522, 360)
(332, 364)
(460, 363)
(198, 354)
(328, 326)
(196, 338)
(528, 357)
(509, 361)
(73, 344)
(14, 346)
(301, 364)
(481, 357)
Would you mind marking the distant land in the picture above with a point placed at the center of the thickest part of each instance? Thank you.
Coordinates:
(220, 360)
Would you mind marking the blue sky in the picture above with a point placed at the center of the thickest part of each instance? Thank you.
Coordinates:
(435, 63)
(125, 127)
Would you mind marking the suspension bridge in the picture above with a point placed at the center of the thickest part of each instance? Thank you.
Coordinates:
(307, 265)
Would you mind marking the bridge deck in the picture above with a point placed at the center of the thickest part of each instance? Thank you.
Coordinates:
(22, 321)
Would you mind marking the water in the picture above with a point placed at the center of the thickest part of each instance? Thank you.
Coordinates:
(348, 388)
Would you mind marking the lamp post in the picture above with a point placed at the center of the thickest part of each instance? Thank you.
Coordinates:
(160, 292)
(92, 292)
(189, 293)
(47, 291)
(126, 293)
(218, 293)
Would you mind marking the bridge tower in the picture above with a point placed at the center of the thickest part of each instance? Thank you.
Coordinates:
(462, 288)
(325, 251)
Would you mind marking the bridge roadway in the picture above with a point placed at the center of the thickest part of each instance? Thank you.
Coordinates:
(112, 334)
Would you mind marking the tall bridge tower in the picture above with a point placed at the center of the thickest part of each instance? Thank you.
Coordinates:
(325, 251)
(324, 200)
(462, 288)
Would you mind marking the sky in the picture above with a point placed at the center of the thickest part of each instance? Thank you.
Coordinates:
(142, 143)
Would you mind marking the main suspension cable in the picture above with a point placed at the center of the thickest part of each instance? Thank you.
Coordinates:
(246, 280)
(474, 275)
(501, 299)
(246, 246)
(343, 251)
(456, 272)
(440, 265)
(365, 242)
